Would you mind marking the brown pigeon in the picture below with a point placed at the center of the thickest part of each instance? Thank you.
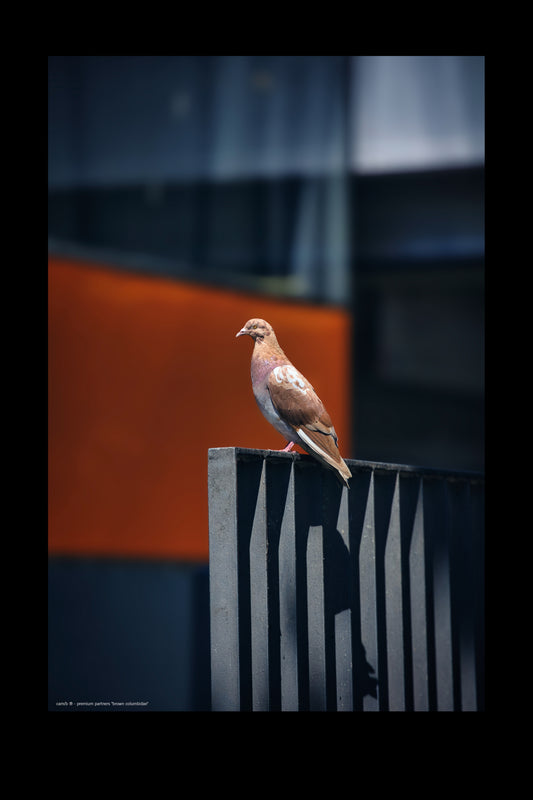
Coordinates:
(289, 402)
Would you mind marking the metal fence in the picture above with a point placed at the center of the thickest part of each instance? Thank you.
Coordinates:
(329, 599)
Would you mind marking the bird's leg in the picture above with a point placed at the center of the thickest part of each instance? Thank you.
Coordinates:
(286, 449)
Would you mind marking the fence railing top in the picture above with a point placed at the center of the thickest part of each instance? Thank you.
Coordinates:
(355, 465)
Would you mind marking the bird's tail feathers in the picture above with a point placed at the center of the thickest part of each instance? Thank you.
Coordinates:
(325, 448)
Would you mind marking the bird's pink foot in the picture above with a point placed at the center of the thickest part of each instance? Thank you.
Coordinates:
(286, 449)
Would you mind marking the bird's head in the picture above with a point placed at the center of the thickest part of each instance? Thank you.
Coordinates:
(258, 329)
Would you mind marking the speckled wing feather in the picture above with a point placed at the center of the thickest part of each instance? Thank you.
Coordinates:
(294, 398)
(297, 403)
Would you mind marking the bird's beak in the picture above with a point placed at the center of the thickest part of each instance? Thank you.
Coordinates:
(242, 332)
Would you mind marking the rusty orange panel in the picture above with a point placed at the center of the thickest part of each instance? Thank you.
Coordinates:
(145, 374)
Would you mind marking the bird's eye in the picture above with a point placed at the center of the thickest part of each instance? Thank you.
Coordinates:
(254, 327)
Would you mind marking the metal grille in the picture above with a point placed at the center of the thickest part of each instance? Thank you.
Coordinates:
(324, 599)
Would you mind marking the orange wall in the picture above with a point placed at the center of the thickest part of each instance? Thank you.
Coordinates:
(145, 374)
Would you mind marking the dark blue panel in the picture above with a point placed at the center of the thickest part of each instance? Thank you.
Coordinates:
(128, 632)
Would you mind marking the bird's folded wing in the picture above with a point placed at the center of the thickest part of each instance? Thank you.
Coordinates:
(297, 403)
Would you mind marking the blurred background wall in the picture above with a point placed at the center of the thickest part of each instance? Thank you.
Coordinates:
(339, 197)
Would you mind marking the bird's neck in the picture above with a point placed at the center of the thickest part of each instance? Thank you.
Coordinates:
(266, 356)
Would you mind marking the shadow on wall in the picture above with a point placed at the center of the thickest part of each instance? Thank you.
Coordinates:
(383, 608)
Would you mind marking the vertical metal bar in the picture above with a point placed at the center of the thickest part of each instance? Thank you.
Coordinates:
(436, 493)
(394, 607)
(417, 579)
(315, 617)
(223, 580)
(259, 600)
(384, 484)
(343, 659)
(343, 626)
(477, 500)
(277, 475)
(287, 603)
(463, 595)
(367, 593)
